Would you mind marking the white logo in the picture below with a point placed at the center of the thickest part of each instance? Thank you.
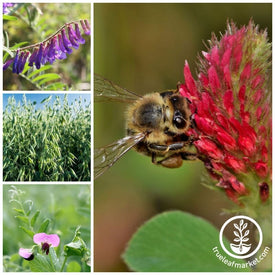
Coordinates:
(241, 244)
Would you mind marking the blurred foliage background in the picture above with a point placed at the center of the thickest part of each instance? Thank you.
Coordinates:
(66, 205)
(37, 22)
(143, 47)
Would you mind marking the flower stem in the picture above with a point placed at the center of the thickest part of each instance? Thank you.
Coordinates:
(47, 39)
(64, 262)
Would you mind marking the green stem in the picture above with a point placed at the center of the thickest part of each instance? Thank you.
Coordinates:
(64, 262)
(47, 39)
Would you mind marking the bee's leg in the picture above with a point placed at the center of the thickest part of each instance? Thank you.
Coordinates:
(173, 161)
(176, 160)
(189, 156)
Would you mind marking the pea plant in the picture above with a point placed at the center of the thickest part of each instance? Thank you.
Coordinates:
(33, 60)
(44, 246)
(51, 143)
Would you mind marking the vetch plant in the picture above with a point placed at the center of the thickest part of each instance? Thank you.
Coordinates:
(57, 46)
(51, 143)
(32, 61)
(46, 254)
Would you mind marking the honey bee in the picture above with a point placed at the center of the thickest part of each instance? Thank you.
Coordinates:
(156, 126)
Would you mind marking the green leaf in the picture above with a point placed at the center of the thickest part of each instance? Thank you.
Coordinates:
(53, 77)
(47, 99)
(73, 267)
(41, 264)
(27, 231)
(23, 219)
(35, 72)
(176, 242)
(18, 45)
(19, 211)
(34, 218)
(44, 226)
(9, 17)
(46, 76)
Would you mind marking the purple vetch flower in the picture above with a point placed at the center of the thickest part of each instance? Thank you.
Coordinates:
(39, 56)
(33, 57)
(22, 61)
(72, 37)
(7, 64)
(80, 39)
(85, 26)
(6, 6)
(66, 42)
(14, 67)
(26, 254)
(46, 241)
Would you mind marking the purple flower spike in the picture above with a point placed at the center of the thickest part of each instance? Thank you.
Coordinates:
(46, 241)
(84, 26)
(26, 254)
(14, 67)
(66, 42)
(6, 6)
(7, 64)
(33, 57)
(39, 57)
(87, 26)
(21, 62)
(72, 37)
(80, 39)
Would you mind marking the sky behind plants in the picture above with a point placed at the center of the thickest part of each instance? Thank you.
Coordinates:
(39, 97)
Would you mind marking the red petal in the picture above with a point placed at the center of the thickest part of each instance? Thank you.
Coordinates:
(215, 59)
(227, 76)
(242, 94)
(235, 164)
(214, 81)
(226, 58)
(246, 73)
(261, 168)
(207, 147)
(205, 125)
(257, 96)
(225, 139)
(189, 80)
(228, 102)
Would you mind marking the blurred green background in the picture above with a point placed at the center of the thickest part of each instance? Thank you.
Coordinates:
(66, 205)
(143, 47)
(47, 18)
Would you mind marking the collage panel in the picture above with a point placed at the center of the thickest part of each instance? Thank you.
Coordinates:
(183, 137)
(46, 228)
(46, 46)
(47, 137)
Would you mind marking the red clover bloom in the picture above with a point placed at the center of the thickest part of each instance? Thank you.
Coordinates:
(55, 47)
(231, 107)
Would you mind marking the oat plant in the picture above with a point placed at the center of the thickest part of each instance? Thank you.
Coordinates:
(46, 144)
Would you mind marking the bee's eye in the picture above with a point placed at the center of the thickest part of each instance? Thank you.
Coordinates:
(178, 120)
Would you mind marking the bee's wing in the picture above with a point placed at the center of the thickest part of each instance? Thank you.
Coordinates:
(106, 157)
(106, 90)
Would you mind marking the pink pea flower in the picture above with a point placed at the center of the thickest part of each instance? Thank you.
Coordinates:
(26, 254)
(46, 241)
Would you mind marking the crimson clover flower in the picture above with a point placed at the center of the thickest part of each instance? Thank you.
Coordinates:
(27, 254)
(6, 6)
(56, 47)
(46, 241)
(231, 109)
